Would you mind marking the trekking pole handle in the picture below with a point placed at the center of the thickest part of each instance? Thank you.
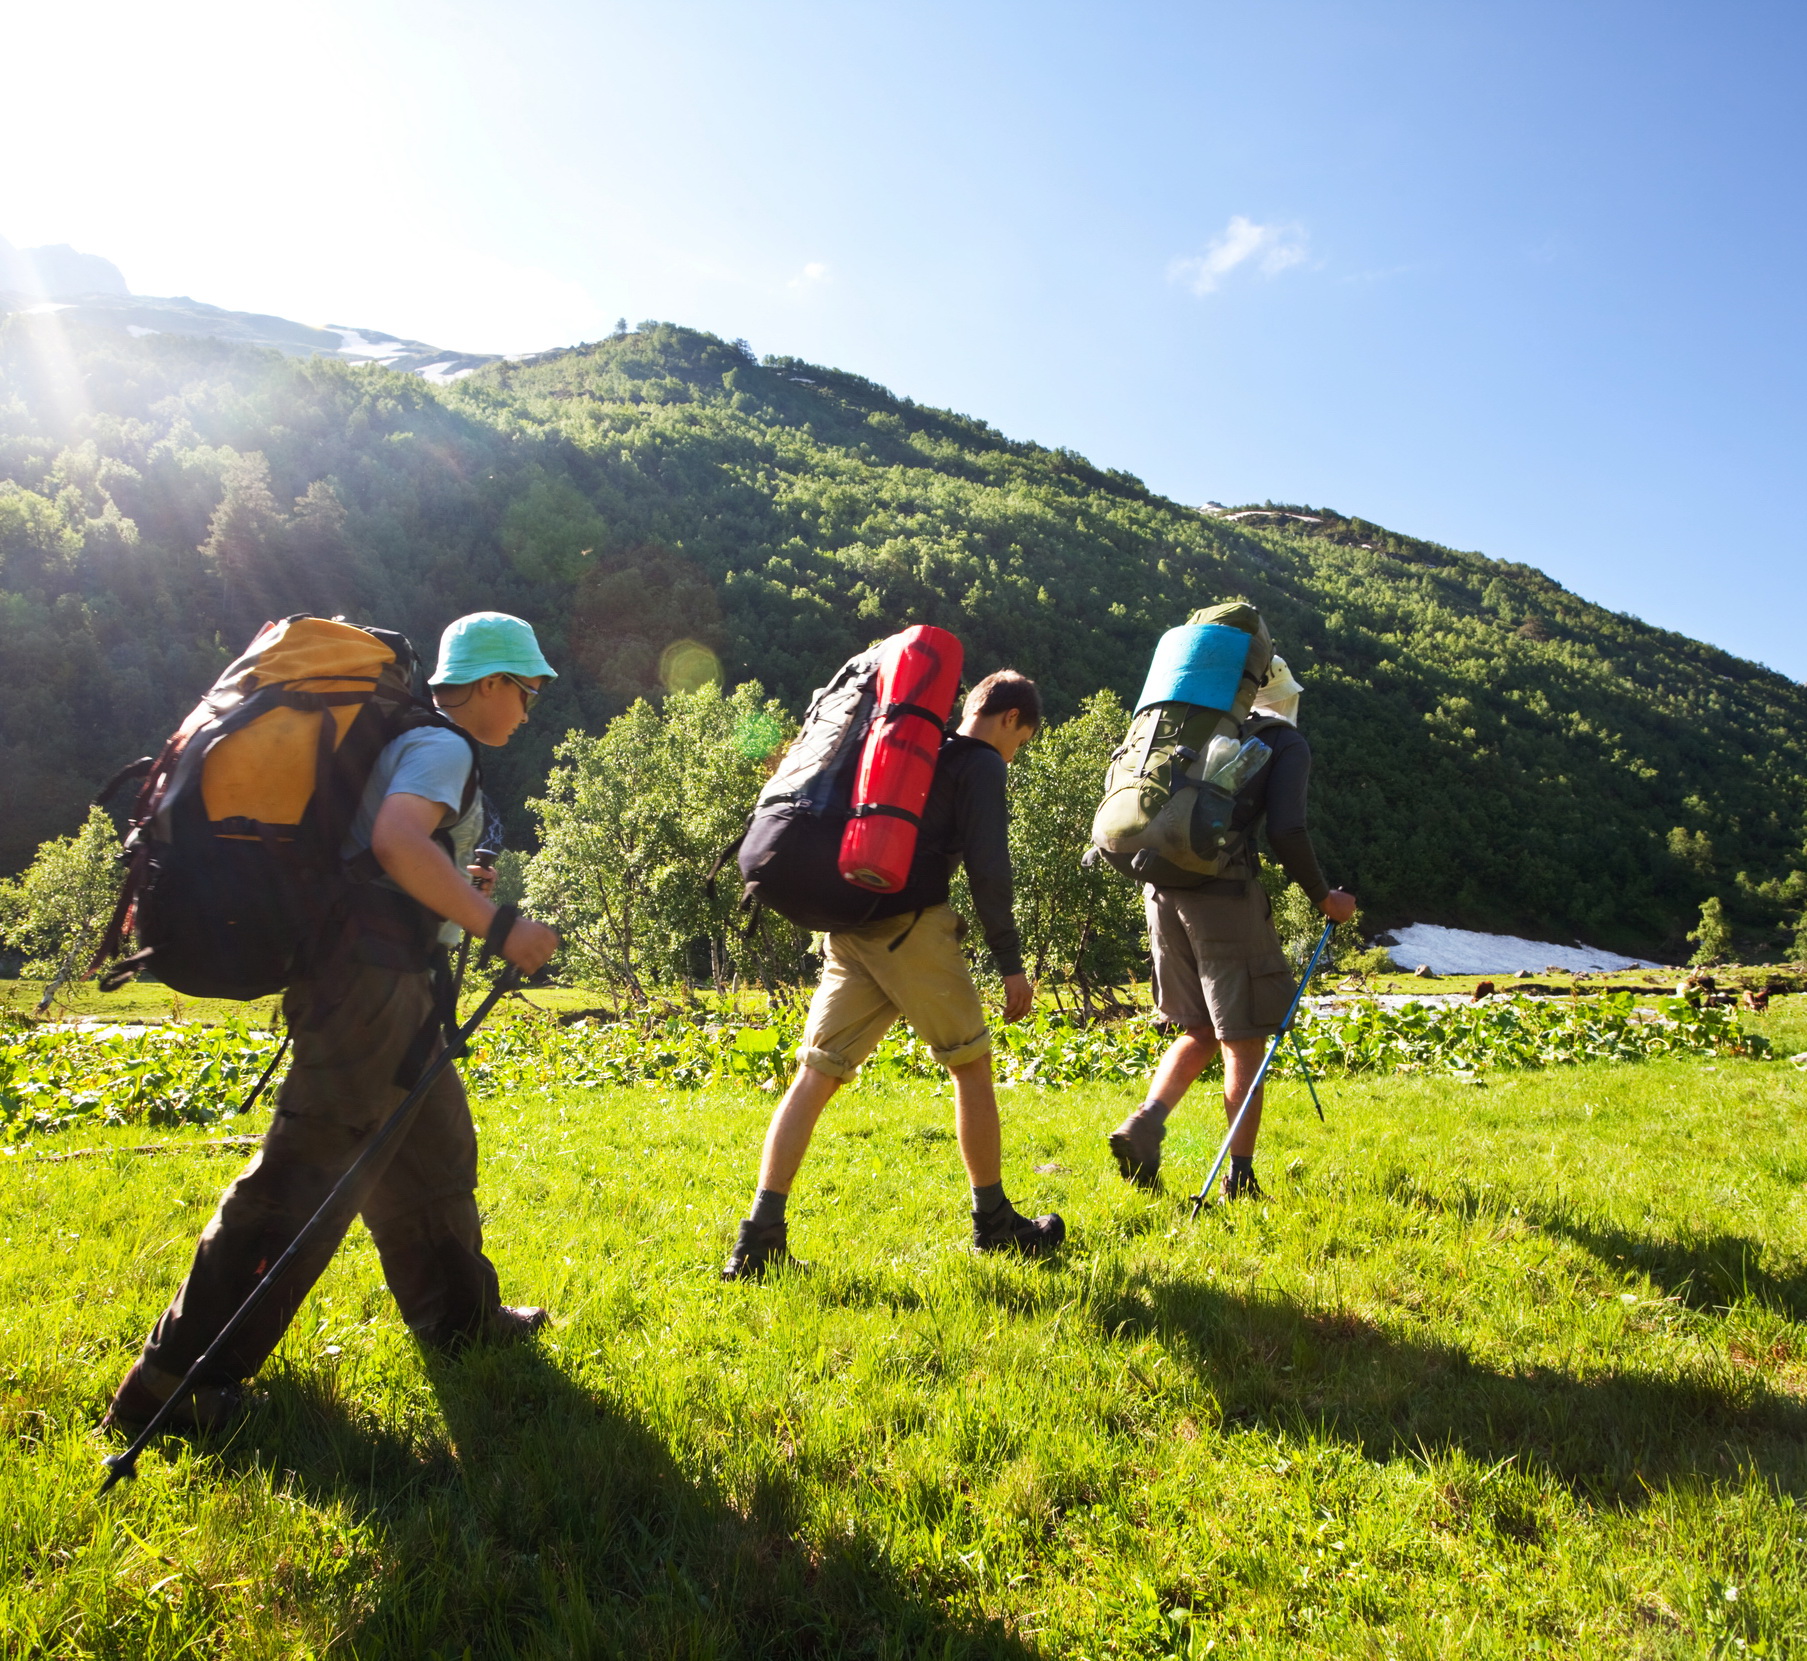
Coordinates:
(1267, 1060)
(125, 1463)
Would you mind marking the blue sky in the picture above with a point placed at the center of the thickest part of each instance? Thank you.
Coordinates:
(1520, 278)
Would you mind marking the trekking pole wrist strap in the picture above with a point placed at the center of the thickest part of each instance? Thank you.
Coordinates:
(501, 926)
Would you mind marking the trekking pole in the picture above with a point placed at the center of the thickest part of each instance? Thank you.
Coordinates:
(125, 1463)
(1273, 1049)
(1305, 1068)
(487, 859)
(487, 852)
(257, 1089)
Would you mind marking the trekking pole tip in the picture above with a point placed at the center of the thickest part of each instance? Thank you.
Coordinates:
(119, 1466)
(1198, 1205)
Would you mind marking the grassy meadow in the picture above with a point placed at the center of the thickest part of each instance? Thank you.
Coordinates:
(1510, 1368)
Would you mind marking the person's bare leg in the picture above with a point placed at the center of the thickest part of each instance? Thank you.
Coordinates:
(976, 1122)
(794, 1122)
(1241, 1062)
(1136, 1143)
(997, 1224)
(1186, 1057)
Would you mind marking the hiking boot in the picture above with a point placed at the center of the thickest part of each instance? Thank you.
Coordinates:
(1137, 1144)
(1005, 1229)
(503, 1326)
(514, 1325)
(1241, 1185)
(757, 1248)
(209, 1407)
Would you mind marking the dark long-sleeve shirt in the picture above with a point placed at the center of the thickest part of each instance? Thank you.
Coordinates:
(1278, 792)
(966, 818)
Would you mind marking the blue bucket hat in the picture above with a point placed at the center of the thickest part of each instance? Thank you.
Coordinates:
(488, 643)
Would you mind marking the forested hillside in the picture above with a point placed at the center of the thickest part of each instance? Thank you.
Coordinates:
(1492, 750)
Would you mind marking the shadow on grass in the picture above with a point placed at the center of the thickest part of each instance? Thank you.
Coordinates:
(1703, 1271)
(1710, 1271)
(554, 1524)
(1609, 1438)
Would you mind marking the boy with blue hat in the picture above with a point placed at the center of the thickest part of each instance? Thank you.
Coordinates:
(365, 1025)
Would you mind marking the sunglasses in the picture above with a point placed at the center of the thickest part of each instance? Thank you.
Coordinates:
(528, 693)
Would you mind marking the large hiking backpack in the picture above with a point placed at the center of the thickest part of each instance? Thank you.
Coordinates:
(234, 882)
(1170, 792)
(791, 853)
(918, 676)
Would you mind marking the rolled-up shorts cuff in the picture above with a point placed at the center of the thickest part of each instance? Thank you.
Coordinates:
(971, 1050)
(827, 1061)
(1236, 1034)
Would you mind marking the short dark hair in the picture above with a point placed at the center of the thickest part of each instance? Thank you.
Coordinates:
(1003, 691)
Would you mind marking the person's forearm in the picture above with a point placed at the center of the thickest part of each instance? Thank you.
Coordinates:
(1300, 861)
(1286, 832)
(423, 871)
(1006, 947)
(994, 899)
(982, 823)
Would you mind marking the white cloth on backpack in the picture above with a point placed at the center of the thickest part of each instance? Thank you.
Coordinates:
(1279, 694)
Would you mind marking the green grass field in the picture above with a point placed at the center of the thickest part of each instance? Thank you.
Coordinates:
(1510, 1369)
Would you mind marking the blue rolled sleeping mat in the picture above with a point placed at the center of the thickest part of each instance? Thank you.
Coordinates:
(1197, 663)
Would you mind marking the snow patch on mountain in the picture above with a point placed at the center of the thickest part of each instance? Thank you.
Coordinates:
(1465, 952)
(83, 289)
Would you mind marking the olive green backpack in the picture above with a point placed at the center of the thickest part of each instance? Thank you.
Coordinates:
(1172, 785)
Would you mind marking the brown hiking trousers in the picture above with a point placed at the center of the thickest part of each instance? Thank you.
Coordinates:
(420, 1205)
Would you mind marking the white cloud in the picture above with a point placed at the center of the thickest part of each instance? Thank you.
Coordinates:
(812, 274)
(1269, 249)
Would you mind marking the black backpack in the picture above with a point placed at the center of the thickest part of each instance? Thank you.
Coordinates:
(790, 851)
(234, 882)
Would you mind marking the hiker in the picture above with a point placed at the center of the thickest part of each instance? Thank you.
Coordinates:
(906, 960)
(364, 1027)
(1219, 972)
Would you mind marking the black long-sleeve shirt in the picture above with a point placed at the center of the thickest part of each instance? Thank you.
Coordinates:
(966, 817)
(1279, 792)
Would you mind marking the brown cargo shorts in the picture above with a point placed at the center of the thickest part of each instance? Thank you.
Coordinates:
(1217, 960)
(882, 970)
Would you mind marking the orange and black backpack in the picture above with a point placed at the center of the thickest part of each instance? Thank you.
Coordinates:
(234, 882)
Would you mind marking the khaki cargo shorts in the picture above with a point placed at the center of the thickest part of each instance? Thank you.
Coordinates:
(1217, 960)
(867, 983)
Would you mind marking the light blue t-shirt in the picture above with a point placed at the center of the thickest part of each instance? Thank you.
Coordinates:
(432, 763)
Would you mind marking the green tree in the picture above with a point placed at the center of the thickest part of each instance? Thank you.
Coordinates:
(1299, 923)
(630, 822)
(1713, 937)
(57, 910)
(1081, 925)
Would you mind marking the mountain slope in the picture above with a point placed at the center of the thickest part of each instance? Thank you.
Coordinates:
(1492, 750)
(86, 290)
(48, 273)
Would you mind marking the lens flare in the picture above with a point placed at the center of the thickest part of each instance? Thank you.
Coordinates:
(688, 666)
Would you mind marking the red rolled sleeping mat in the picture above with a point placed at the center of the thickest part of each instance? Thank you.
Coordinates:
(917, 679)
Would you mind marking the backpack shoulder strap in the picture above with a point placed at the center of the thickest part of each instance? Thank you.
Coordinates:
(418, 716)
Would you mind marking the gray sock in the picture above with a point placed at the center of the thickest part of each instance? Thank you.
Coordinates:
(987, 1199)
(768, 1207)
(1154, 1111)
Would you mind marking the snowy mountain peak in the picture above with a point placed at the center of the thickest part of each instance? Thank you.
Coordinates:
(84, 288)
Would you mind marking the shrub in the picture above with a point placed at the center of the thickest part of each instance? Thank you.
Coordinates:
(55, 912)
